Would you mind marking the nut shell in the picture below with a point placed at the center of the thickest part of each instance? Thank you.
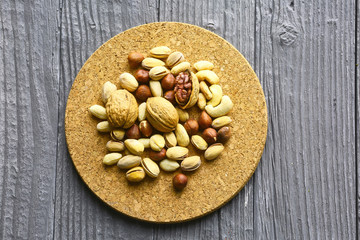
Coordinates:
(170, 96)
(133, 132)
(161, 114)
(194, 92)
(204, 120)
(210, 135)
(191, 163)
(150, 167)
(135, 174)
(145, 128)
(157, 156)
(142, 76)
(169, 165)
(224, 134)
(180, 181)
(191, 126)
(142, 93)
(122, 109)
(135, 59)
(168, 82)
(213, 151)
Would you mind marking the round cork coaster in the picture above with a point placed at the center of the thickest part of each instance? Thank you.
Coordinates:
(215, 182)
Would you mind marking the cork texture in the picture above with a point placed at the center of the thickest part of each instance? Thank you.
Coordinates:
(215, 182)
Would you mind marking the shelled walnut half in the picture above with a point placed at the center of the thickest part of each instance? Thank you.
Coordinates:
(186, 89)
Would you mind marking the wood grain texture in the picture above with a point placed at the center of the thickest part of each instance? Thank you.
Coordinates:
(28, 118)
(303, 53)
(85, 26)
(357, 112)
(304, 186)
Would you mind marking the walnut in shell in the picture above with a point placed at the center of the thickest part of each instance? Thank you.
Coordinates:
(161, 114)
(122, 109)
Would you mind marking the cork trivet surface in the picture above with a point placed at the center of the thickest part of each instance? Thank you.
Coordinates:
(215, 182)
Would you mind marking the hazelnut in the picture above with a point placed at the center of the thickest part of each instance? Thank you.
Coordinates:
(170, 96)
(135, 59)
(168, 82)
(157, 156)
(142, 76)
(191, 126)
(133, 132)
(210, 135)
(180, 181)
(204, 120)
(143, 93)
(145, 128)
(223, 134)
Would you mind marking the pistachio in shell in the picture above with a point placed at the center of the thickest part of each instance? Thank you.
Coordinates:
(186, 89)
(161, 114)
(122, 109)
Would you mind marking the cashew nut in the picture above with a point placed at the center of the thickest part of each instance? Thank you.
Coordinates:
(217, 95)
(203, 65)
(208, 75)
(222, 109)
(205, 90)
(201, 101)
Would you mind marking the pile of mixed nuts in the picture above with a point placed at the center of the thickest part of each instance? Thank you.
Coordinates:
(164, 86)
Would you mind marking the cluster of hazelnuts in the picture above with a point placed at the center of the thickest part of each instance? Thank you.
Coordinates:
(143, 92)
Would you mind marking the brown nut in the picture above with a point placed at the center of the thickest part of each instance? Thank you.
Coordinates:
(157, 156)
(210, 135)
(191, 126)
(170, 96)
(204, 120)
(133, 132)
(180, 181)
(135, 59)
(145, 128)
(142, 76)
(168, 82)
(143, 93)
(223, 135)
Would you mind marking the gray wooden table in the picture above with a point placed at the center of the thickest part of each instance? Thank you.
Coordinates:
(305, 54)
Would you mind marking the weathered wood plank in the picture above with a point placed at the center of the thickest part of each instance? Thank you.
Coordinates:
(234, 21)
(304, 55)
(305, 185)
(28, 118)
(357, 111)
(85, 25)
(306, 125)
